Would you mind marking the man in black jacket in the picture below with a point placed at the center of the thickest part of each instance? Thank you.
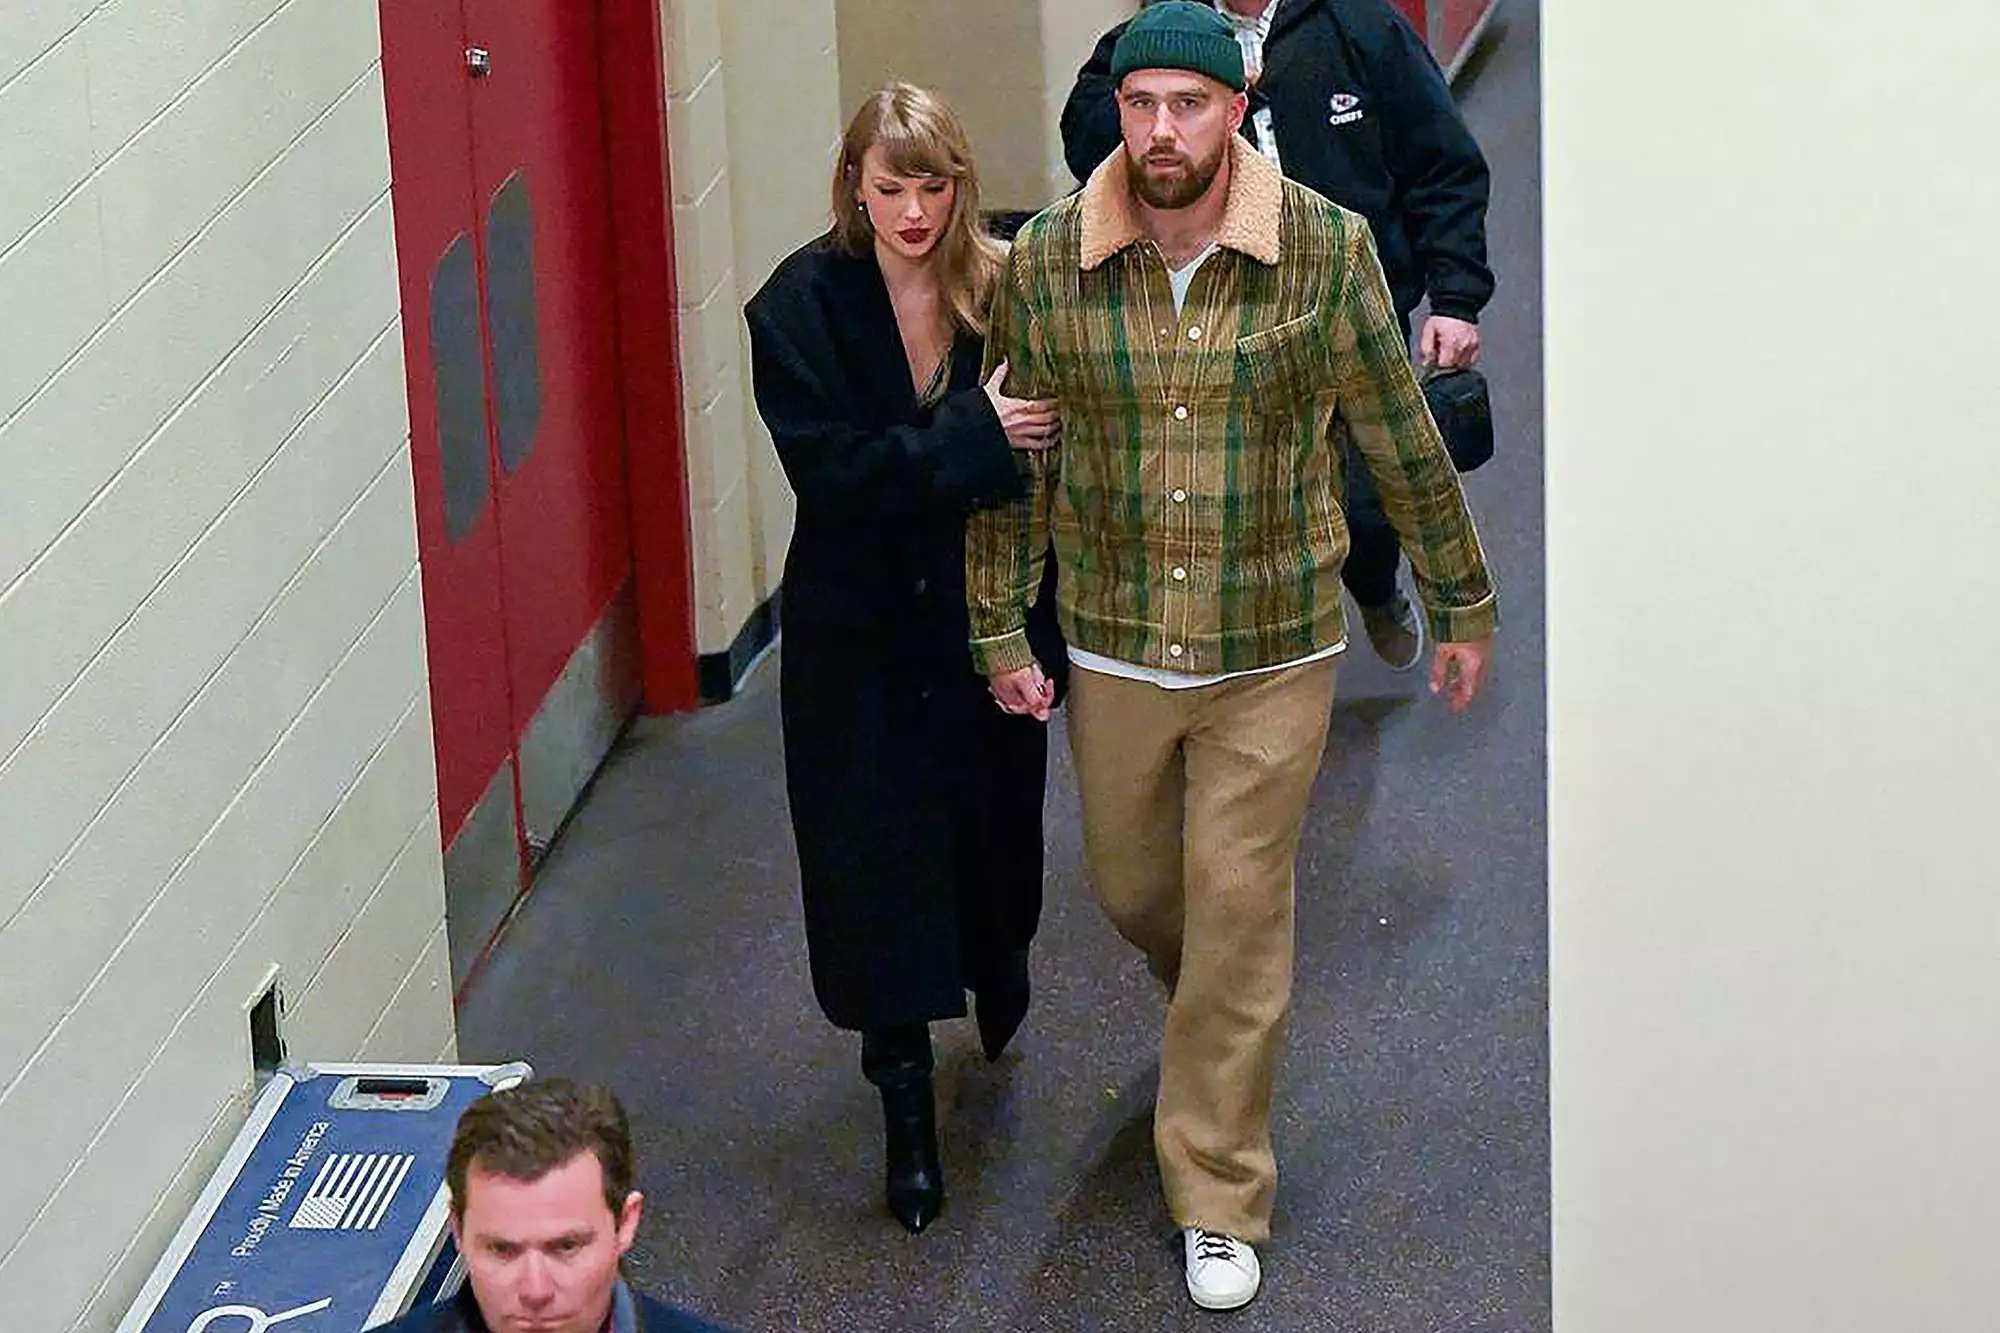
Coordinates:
(543, 1210)
(1348, 101)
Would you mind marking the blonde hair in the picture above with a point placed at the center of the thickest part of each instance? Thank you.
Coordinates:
(919, 136)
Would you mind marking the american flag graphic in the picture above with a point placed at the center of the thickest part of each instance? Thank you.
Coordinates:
(353, 1191)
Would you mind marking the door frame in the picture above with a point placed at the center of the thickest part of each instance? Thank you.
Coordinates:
(632, 59)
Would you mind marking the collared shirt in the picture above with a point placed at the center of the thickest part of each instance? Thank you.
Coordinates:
(624, 1316)
(1252, 31)
(1194, 499)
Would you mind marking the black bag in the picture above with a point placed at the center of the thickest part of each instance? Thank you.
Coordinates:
(1464, 415)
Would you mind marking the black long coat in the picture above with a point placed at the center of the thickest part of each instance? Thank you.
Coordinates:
(917, 803)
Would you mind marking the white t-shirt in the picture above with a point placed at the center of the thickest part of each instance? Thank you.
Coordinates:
(1181, 279)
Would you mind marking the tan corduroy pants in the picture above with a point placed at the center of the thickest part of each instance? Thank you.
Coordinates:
(1192, 802)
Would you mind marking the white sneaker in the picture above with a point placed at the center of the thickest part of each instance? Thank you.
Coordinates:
(1222, 1272)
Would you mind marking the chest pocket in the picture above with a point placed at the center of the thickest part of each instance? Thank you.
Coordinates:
(1284, 366)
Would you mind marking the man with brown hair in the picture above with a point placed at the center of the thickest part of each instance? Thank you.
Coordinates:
(543, 1211)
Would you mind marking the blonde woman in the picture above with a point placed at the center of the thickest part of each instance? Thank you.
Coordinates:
(916, 801)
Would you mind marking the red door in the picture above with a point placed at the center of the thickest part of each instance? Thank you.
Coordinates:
(438, 242)
(505, 212)
(542, 184)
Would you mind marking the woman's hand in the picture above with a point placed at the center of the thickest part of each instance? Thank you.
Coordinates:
(1024, 691)
(1030, 423)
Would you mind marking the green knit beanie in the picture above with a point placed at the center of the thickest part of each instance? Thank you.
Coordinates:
(1180, 34)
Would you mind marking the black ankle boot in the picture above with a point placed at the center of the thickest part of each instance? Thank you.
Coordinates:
(898, 1062)
(1001, 1003)
(915, 1176)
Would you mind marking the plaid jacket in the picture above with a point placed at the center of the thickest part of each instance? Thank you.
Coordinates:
(1195, 498)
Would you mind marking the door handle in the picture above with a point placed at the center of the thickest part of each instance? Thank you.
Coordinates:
(478, 61)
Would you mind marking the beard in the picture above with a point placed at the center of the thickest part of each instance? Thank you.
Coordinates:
(1179, 190)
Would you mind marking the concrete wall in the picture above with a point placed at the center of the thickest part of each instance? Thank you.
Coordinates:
(985, 59)
(215, 751)
(752, 116)
(1773, 462)
(1070, 29)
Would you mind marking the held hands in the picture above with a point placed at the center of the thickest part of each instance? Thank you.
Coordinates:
(1458, 670)
(1024, 691)
(1447, 343)
(1030, 423)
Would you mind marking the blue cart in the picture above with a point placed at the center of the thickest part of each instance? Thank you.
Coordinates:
(329, 1214)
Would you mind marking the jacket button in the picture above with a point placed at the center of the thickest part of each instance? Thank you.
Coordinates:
(923, 586)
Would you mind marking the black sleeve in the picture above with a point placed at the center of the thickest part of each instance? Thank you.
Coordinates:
(1440, 174)
(1090, 117)
(961, 459)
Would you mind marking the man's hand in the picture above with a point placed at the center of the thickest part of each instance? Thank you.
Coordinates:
(1458, 669)
(1448, 344)
(1024, 691)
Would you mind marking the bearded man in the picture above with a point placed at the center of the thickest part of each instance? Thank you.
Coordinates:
(1214, 335)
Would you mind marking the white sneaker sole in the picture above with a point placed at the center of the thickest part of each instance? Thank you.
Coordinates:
(1222, 1302)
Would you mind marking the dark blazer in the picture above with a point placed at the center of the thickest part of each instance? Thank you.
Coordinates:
(461, 1315)
(916, 804)
(1362, 115)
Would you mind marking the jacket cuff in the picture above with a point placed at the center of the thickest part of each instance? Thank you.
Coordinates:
(1002, 653)
(977, 466)
(1450, 309)
(1463, 624)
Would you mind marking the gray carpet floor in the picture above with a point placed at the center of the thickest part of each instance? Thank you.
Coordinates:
(662, 951)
